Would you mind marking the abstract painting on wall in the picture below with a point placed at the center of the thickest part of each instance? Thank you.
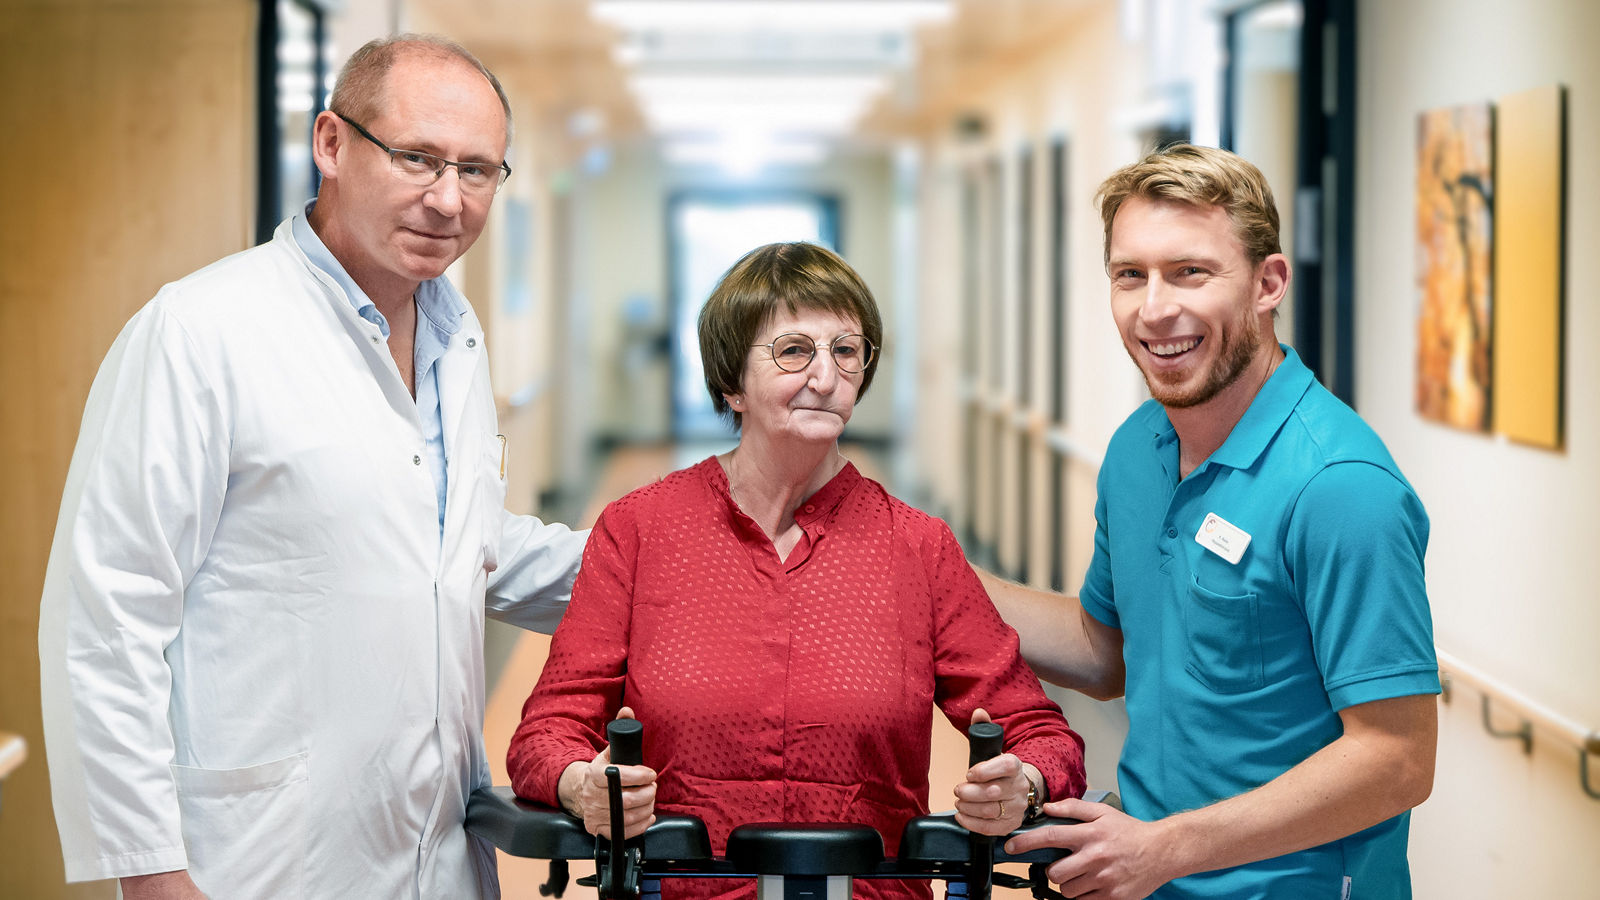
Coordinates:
(1455, 234)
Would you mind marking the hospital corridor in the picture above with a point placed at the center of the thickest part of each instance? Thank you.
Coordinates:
(986, 324)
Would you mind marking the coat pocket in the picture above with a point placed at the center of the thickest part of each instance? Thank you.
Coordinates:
(1224, 632)
(247, 830)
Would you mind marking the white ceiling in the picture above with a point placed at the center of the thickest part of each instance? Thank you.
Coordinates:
(754, 79)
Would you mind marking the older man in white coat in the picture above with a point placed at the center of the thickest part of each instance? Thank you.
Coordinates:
(261, 632)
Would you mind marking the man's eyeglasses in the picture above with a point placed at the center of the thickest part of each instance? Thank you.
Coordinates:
(852, 353)
(420, 168)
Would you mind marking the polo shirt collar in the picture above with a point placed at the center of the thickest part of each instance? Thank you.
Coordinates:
(1266, 414)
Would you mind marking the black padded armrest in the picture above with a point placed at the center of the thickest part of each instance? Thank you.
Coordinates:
(937, 838)
(520, 828)
(525, 829)
(1041, 855)
(805, 849)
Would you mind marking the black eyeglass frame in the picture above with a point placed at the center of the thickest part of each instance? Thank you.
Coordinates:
(505, 169)
(772, 351)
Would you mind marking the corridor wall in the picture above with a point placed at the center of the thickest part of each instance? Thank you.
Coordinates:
(1512, 566)
(985, 427)
(1511, 563)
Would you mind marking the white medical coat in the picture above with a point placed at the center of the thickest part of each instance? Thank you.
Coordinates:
(258, 661)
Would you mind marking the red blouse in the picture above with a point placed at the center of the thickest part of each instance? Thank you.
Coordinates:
(772, 690)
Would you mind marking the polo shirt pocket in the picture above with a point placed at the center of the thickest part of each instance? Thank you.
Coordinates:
(1224, 647)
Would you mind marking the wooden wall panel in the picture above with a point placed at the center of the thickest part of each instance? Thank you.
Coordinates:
(129, 162)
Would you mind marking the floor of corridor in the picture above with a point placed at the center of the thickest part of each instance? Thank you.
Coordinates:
(625, 470)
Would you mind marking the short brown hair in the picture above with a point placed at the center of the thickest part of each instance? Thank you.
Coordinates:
(1199, 176)
(798, 276)
(358, 93)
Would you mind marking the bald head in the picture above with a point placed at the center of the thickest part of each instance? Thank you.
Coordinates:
(358, 94)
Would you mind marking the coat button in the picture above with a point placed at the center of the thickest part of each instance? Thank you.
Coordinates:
(472, 342)
(416, 460)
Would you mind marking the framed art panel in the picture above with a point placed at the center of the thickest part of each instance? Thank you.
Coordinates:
(1530, 170)
(1455, 233)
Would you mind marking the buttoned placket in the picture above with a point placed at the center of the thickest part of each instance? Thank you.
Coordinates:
(1166, 449)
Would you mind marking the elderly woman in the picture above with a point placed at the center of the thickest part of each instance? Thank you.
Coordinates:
(782, 626)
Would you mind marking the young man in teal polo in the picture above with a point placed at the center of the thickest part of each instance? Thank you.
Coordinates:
(1256, 589)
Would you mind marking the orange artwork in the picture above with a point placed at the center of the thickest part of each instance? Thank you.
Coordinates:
(1455, 233)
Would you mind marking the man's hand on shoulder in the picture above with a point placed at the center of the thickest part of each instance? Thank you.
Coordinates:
(1114, 856)
(161, 886)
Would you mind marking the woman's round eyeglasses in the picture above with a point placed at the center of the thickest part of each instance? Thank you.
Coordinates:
(852, 353)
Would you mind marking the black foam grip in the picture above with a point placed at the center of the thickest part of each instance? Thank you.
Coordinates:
(626, 737)
(985, 740)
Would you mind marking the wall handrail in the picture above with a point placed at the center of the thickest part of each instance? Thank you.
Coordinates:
(1530, 713)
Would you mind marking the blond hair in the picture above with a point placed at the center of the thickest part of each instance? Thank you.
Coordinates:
(1199, 176)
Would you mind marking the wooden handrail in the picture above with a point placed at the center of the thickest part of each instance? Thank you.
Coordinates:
(1532, 714)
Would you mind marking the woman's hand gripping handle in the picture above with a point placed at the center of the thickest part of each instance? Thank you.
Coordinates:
(584, 791)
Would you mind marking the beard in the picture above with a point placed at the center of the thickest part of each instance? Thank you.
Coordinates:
(1240, 341)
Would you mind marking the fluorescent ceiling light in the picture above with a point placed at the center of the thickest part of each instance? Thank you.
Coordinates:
(744, 155)
(771, 15)
(776, 103)
(815, 117)
(772, 69)
(840, 89)
(834, 49)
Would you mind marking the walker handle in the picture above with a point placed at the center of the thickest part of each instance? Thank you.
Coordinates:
(985, 740)
(626, 737)
(617, 861)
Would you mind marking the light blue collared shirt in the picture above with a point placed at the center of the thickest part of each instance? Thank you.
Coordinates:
(439, 313)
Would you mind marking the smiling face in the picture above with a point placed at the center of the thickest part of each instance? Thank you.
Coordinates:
(809, 406)
(1194, 314)
(388, 233)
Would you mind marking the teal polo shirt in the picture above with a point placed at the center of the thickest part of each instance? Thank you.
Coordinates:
(1237, 667)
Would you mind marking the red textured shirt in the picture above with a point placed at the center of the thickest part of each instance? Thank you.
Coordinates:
(771, 690)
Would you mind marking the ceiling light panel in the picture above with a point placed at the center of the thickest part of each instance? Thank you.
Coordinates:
(757, 88)
(761, 74)
(817, 117)
(847, 49)
(771, 15)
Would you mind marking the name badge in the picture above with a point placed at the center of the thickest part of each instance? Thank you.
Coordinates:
(1222, 538)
